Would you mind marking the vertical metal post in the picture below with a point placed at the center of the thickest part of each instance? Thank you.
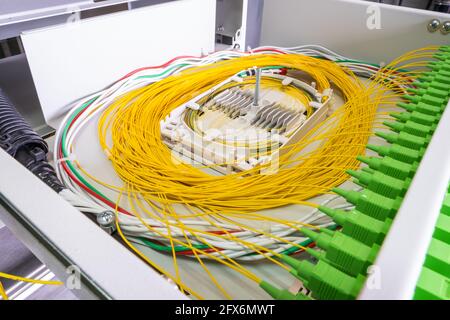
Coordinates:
(257, 87)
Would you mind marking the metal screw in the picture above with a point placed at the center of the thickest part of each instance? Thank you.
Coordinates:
(106, 220)
(433, 25)
(445, 28)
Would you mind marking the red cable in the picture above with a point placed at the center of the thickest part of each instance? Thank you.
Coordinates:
(190, 252)
(110, 203)
(155, 67)
(184, 57)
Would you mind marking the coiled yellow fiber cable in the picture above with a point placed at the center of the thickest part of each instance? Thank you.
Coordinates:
(142, 160)
(129, 132)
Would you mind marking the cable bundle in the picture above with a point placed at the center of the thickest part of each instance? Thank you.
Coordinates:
(214, 221)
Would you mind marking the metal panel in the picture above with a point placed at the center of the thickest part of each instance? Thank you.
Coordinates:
(16, 80)
(18, 7)
(229, 16)
(60, 236)
(71, 61)
(145, 3)
(252, 18)
(21, 15)
(341, 25)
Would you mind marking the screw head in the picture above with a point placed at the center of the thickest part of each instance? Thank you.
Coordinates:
(106, 219)
(445, 28)
(433, 25)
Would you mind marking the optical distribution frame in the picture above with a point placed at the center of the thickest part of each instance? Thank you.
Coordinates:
(289, 170)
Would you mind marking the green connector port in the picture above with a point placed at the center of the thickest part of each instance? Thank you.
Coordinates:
(325, 281)
(359, 226)
(280, 294)
(343, 252)
(382, 184)
(415, 116)
(371, 203)
(405, 139)
(398, 152)
(390, 166)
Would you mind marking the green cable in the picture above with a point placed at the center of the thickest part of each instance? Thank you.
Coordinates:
(92, 188)
(161, 74)
(85, 105)
(293, 249)
(64, 150)
(169, 248)
(183, 248)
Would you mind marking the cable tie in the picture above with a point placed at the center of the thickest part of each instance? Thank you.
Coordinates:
(315, 105)
(193, 106)
(237, 79)
(108, 153)
(287, 81)
(212, 134)
(327, 92)
(69, 158)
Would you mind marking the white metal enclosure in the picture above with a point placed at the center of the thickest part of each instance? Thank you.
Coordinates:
(70, 61)
(348, 27)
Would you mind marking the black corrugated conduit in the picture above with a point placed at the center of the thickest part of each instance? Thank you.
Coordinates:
(19, 140)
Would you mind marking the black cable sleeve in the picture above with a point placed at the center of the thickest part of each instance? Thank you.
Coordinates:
(19, 140)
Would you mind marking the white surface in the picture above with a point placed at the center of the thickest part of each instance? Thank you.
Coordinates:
(71, 61)
(111, 266)
(251, 25)
(23, 15)
(17, 7)
(403, 252)
(340, 25)
(14, 12)
(29, 10)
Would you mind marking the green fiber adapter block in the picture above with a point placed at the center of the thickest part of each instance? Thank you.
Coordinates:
(281, 294)
(421, 107)
(415, 116)
(432, 84)
(328, 283)
(390, 166)
(438, 257)
(398, 152)
(359, 226)
(446, 205)
(438, 93)
(371, 203)
(411, 127)
(344, 252)
(432, 286)
(381, 183)
(442, 230)
(404, 139)
(426, 98)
